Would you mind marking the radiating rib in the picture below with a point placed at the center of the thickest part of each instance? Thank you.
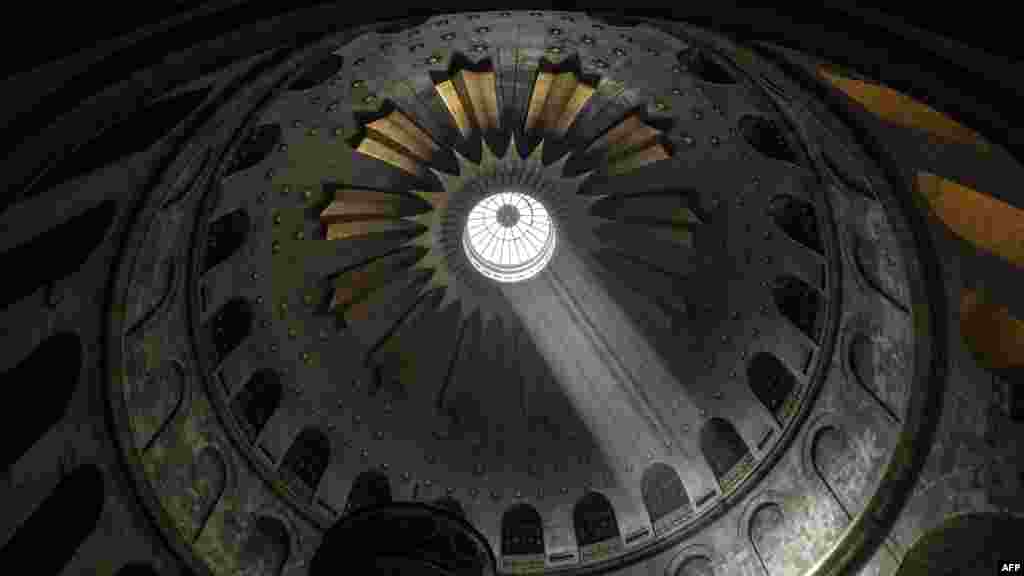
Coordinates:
(393, 157)
(397, 140)
(556, 101)
(631, 135)
(357, 228)
(400, 130)
(541, 87)
(355, 204)
(480, 88)
(579, 99)
(472, 100)
(446, 90)
(561, 91)
(356, 284)
(649, 155)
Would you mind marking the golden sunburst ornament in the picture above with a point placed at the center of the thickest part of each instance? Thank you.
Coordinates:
(461, 250)
(531, 197)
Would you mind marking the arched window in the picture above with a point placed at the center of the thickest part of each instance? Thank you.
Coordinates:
(256, 147)
(594, 519)
(522, 531)
(797, 219)
(371, 488)
(224, 237)
(800, 304)
(770, 381)
(765, 136)
(307, 458)
(663, 491)
(229, 327)
(722, 446)
(256, 402)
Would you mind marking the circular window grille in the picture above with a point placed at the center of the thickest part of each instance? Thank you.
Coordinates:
(509, 237)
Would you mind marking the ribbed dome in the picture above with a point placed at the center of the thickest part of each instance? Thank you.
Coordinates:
(506, 292)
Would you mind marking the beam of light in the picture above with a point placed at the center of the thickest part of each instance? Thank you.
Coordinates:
(630, 402)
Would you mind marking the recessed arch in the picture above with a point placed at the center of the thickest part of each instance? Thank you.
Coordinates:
(225, 236)
(766, 137)
(594, 519)
(831, 456)
(231, 325)
(254, 149)
(256, 402)
(370, 488)
(705, 67)
(57, 362)
(154, 402)
(663, 491)
(797, 219)
(801, 304)
(209, 479)
(770, 381)
(522, 531)
(307, 458)
(696, 566)
(722, 446)
(765, 530)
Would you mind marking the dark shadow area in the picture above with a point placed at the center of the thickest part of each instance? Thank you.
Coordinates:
(254, 149)
(224, 237)
(54, 254)
(128, 136)
(594, 519)
(256, 402)
(318, 73)
(231, 325)
(797, 219)
(43, 384)
(307, 458)
(371, 488)
(800, 304)
(52, 534)
(970, 544)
